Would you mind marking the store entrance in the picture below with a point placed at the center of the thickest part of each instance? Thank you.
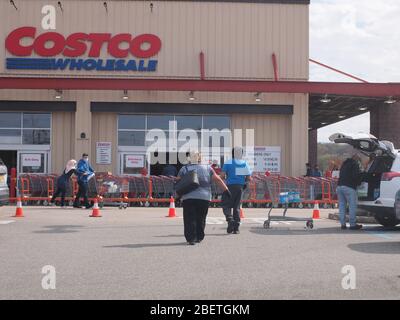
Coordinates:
(169, 167)
(9, 158)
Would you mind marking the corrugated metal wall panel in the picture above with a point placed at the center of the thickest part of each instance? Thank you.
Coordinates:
(270, 130)
(62, 147)
(104, 129)
(237, 38)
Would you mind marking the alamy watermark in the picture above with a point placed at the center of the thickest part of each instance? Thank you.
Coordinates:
(349, 280)
(49, 280)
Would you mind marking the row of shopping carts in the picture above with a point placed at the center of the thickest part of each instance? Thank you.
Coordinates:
(123, 191)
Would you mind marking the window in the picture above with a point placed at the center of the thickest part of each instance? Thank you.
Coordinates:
(132, 122)
(159, 122)
(131, 138)
(37, 120)
(25, 128)
(132, 129)
(216, 122)
(189, 122)
(36, 136)
(10, 120)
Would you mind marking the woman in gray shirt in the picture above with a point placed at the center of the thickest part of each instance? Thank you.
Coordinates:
(196, 203)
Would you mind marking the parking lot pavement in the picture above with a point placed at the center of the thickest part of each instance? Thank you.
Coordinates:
(138, 253)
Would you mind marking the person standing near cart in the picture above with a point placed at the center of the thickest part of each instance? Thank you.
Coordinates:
(85, 173)
(350, 178)
(63, 181)
(237, 173)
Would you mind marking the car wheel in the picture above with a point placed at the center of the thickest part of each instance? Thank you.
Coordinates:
(387, 220)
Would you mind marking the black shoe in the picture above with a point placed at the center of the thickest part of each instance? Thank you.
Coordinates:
(230, 227)
(198, 241)
(76, 206)
(191, 243)
(344, 227)
(356, 227)
(236, 231)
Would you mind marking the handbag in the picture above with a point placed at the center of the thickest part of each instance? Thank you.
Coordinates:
(188, 183)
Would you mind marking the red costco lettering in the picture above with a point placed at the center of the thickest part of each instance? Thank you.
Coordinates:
(77, 44)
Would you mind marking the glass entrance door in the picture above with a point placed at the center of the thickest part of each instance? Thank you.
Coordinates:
(132, 163)
(33, 161)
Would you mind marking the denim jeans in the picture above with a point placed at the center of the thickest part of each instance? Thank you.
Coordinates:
(347, 196)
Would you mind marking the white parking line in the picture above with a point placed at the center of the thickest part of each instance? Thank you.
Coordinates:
(217, 220)
(6, 221)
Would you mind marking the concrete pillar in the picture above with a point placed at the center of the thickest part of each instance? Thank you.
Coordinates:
(385, 121)
(299, 146)
(313, 147)
(83, 126)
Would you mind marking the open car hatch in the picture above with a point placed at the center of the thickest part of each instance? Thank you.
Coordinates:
(365, 143)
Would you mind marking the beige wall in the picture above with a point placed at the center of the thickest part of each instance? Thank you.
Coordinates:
(62, 142)
(104, 129)
(289, 132)
(238, 39)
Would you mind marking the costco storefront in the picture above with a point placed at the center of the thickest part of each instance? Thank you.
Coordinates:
(106, 73)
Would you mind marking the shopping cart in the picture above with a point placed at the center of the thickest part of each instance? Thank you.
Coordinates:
(283, 194)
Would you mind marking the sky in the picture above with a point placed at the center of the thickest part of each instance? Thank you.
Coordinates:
(360, 37)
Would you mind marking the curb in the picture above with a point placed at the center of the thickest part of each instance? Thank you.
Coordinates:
(360, 219)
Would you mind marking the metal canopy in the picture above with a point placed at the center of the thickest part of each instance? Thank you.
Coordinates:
(322, 114)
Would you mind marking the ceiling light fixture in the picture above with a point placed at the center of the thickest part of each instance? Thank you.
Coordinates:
(325, 99)
(390, 100)
(258, 96)
(58, 94)
(362, 108)
(191, 96)
(125, 96)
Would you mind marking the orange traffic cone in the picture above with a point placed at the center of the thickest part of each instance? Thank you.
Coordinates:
(19, 213)
(241, 213)
(171, 211)
(316, 211)
(96, 210)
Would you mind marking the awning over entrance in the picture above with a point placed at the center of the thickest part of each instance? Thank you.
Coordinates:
(343, 100)
(329, 109)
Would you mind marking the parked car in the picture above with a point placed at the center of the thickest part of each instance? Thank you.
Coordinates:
(4, 191)
(383, 176)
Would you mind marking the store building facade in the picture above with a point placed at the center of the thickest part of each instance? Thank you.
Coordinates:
(167, 40)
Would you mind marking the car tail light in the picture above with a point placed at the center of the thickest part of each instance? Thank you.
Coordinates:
(388, 176)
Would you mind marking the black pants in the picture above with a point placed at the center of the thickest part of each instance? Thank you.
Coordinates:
(231, 206)
(82, 193)
(194, 218)
(61, 190)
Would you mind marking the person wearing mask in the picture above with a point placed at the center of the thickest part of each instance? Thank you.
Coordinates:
(350, 178)
(197, 202)
(63, 181)
(236, 172)
(85, 173)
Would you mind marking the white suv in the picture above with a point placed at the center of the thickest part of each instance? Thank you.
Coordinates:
(383, 176)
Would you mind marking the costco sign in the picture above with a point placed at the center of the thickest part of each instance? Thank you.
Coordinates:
(43, 51)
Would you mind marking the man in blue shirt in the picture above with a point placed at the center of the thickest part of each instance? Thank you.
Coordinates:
(84, 172)
(236, 172)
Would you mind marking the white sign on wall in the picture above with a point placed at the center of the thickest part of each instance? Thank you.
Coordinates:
(265, 159)
(134, 161)
(103, 152)
(31, 160)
